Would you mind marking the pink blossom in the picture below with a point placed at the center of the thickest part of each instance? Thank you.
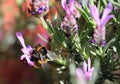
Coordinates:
(85, 74)
(99, 32)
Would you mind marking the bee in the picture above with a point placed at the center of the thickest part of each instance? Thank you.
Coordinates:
(40, 55)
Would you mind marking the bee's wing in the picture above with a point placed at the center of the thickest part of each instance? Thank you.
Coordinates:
(52, 56)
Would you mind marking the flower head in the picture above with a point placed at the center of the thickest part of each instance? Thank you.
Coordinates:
(69, 25)
(99, 32)
(38, 7)
(86, 71)
(25, 50)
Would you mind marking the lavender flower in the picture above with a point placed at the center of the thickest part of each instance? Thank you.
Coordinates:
(69, 24)
(86, 72)
(70, 8)
(87, 69)
(99, 32)
(38, 7)
(26, 50)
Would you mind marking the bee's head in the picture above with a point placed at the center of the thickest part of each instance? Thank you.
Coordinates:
(41, 49)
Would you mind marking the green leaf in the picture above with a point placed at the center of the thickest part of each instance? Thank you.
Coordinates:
(108, 44)
(93, 53)
(104, 2)
(50, 27)
(84, 14)
(115, 3)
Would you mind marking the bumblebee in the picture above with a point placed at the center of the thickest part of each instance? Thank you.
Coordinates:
(39, 55)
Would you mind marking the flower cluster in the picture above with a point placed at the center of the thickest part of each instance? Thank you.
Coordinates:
(69, 23)
(85, 74)
(99, 32)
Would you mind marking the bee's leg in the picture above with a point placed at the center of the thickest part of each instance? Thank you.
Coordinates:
(43, 61)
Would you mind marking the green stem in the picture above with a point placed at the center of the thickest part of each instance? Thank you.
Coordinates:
(44, 24)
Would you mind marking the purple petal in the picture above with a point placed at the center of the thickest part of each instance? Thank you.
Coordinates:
(27, 58)
(92, 69)
(94, 13)
(105, 20)
(64, 5)
(71, 5)
(89, 64)
(103, 43)
(88, 75)
(41, 10)
(79, 72)
(23, 56)
(33, 13)
(24, 51)
(84, 66)
(29, 61)
(106, 12)
(20, 37)
(93, 41)
(29, 48)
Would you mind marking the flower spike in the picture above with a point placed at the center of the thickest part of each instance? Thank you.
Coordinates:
(99, 32)
(86, 71)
